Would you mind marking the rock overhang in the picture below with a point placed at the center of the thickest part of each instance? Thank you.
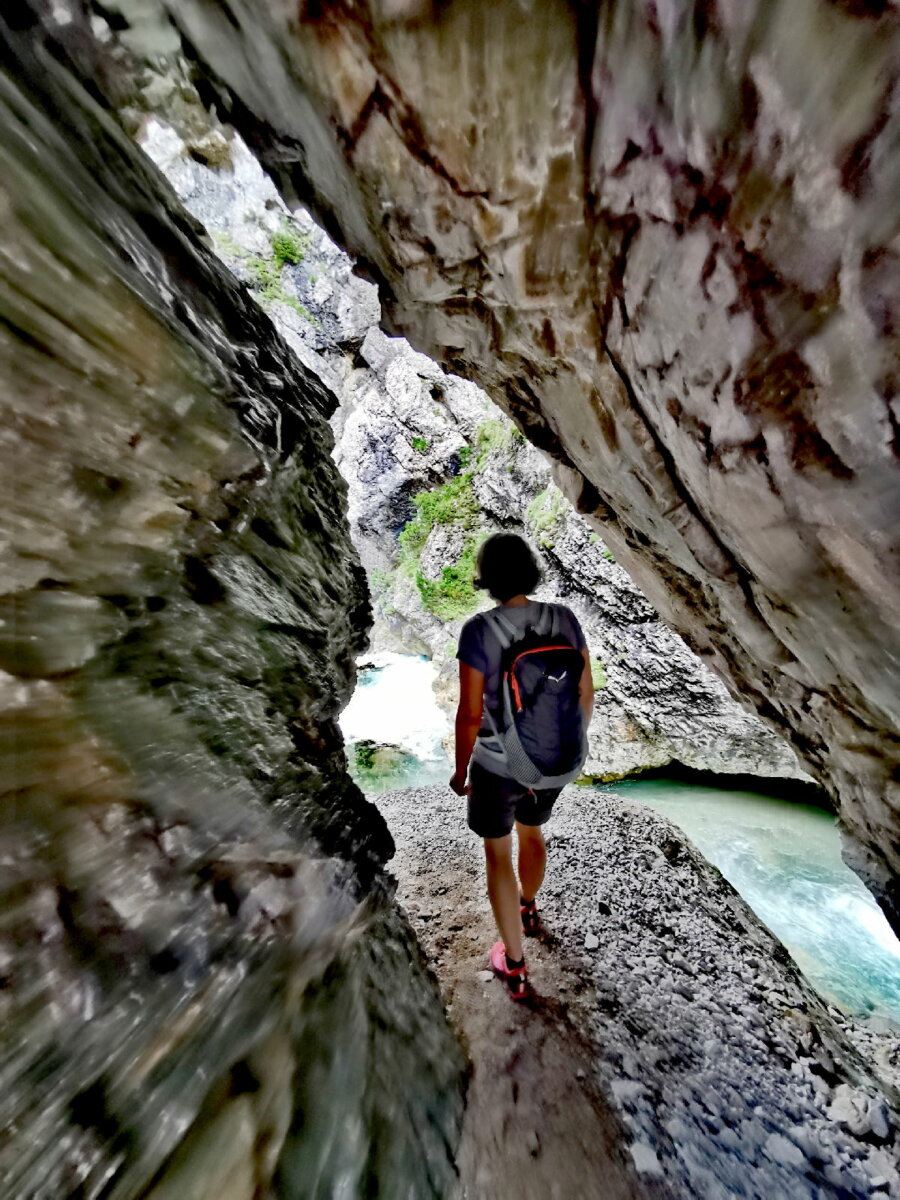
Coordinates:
(664, 245)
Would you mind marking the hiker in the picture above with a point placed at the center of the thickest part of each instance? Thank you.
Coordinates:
(525, 700)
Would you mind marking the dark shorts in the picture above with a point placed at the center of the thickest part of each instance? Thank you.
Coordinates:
(495, 803)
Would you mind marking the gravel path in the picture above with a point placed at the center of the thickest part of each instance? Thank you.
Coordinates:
(674, 1051)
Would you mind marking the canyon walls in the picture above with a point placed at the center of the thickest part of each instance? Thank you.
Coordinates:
(197, 944)
(663, 238)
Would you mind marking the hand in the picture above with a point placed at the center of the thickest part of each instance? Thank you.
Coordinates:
(459, 785)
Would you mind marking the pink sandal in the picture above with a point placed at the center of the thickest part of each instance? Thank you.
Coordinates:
(531, 922)
(516, 980)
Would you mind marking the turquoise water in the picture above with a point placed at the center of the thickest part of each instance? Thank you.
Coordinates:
(784, 858)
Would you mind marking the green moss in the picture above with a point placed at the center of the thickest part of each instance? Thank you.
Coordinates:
(490, 436)
(452, 503)
(544, 512)
(598, 673)
(289, 246)
(607, 554)
(226, 243)
(380, 581)
(594, 539)
(420, 444)
(452, 594)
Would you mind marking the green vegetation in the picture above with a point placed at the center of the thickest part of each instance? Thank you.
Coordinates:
(598, 673)
(288, 246)
(452, 503)
(544, 512)
(453, 594)
(226, 243)
(490, 436)
(607, 554)
(380, 581)
(420, 444)
(594, 539)
(268, 282)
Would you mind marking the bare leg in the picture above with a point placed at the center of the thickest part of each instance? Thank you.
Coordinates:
(532, 859)
(503, 892)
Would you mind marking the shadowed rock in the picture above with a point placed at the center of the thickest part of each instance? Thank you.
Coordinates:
(662, 241)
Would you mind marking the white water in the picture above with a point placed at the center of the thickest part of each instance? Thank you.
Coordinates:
(394, 705)
(784, 858)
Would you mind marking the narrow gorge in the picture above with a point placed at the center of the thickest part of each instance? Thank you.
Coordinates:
(621, 278)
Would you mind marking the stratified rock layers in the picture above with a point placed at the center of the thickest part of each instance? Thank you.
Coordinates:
(180, 607)
(664, 240)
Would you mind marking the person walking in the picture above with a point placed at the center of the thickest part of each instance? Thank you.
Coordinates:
(525, 699)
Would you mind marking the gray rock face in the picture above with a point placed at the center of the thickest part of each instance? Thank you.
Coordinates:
(183, 852)
(407, 428)
(664, 244)
(403, 427)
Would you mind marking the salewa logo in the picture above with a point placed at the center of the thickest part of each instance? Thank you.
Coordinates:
(557, 678)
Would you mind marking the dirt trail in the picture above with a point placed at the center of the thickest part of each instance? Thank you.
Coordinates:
(536, 1125)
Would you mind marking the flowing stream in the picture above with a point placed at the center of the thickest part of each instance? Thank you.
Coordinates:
(783, 857)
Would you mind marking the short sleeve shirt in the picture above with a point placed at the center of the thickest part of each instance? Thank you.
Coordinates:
(480, 648)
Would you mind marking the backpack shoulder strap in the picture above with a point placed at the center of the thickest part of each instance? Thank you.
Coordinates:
(504, 630)
(546, 624)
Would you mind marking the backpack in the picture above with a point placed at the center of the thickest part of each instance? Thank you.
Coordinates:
(540, 729)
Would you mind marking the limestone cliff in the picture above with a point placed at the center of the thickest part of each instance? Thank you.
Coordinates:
(404, 427)
(183, 853)
(663, 239)
(431, 467)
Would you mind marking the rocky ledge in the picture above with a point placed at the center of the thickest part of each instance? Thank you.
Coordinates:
(729, 1076)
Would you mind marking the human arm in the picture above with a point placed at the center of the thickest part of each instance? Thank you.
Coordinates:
(468, 722)
(586, 687)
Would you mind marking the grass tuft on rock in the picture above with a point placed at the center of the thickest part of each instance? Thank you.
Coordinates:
(543, 514)
(453, 593)
(288, 246)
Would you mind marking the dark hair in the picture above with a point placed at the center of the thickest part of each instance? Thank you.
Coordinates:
(507, 567)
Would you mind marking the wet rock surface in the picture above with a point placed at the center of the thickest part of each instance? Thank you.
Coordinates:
(196, 934)
(663, 243)
(686, 1021)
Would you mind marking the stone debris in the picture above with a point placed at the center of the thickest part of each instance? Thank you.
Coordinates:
(744, 1083)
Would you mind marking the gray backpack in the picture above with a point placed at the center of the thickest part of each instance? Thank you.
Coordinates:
(539, 731)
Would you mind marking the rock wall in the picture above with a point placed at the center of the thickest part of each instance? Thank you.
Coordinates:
(404, 427)
(184, 855)
(408, 430)
(662, 239)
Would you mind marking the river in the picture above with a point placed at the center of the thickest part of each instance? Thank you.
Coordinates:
(782, 856)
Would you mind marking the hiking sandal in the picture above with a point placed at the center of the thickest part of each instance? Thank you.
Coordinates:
(516, 980)
(531, 921)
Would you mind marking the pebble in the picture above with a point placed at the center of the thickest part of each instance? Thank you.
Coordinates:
(484, 976)
(534, 1144)
(783, 1151)
(591, 942)
(645, 1160)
